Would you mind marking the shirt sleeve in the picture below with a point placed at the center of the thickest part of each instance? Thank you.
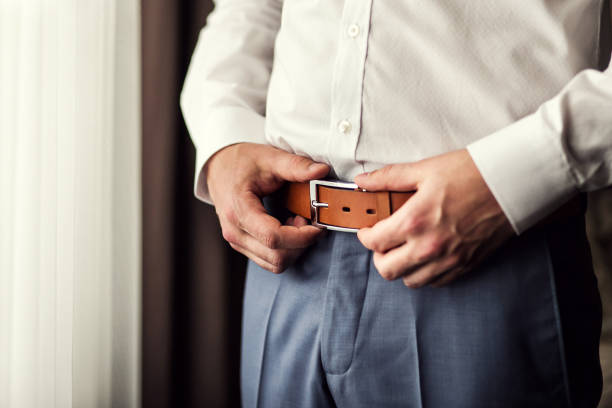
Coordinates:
(536, 164)
(224, 95)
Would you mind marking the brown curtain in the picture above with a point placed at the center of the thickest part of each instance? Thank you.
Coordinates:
(599, 228)
(599, 221)
(192, 282)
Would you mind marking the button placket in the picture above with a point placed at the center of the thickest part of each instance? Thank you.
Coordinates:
(347, 85)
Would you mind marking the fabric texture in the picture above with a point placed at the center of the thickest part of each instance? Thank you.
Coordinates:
(331, 332)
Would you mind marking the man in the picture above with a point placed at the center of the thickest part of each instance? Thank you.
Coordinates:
(468, 124)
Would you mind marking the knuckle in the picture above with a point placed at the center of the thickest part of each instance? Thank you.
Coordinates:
(363, 236)
(276, 269)
(410, 282)
(383, 273)
(385, 171)
(429, 251)
(229, 214)
(462, 256)
(228, 235)
(454, 260)
(431, 275)
(277, 260)
(418, 281)
(416, 284)
(270, 239)
(420, 256)
(438, 244)
(297, 166)
(413, 224)
(420, 278)
(375, 246)
(386, 273)
(297, 161)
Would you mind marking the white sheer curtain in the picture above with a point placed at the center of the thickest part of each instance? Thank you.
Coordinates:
(69, 203)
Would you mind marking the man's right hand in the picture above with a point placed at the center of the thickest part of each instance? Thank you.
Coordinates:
(238, 176)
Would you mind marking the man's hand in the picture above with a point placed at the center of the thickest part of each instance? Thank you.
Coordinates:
(448, 226)
(237, 177)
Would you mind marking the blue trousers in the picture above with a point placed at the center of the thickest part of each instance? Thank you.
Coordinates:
(522, 330)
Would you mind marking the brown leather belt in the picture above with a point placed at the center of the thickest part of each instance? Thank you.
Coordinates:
(339, 205)
(342, 206)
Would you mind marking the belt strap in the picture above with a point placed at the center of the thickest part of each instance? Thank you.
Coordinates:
(345, 208)
(355, 208)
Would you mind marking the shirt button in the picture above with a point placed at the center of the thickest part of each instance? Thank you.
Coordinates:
(353, 30)
(344, 126)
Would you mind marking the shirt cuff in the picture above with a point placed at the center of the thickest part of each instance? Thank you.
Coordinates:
(223, 127)
(525, 169)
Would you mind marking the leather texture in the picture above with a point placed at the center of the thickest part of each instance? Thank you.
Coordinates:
(346, 208)
(360, 209)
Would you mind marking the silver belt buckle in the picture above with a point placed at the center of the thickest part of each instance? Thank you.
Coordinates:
(315, 204)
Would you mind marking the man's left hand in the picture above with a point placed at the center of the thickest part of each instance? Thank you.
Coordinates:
(448, 226)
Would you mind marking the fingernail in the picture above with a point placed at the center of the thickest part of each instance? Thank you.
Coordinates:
(315, 165)
(362, 231)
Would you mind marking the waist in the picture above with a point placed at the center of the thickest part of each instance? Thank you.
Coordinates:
(342, 206)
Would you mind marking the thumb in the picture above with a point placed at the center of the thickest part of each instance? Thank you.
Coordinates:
(292, 167)
(395, 177)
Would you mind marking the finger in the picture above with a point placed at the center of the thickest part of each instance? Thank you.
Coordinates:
(385, 234)
(236, 236)
(296, 221)
(292, 167)
(253, 219)
(277, 258)
(448, 277)
(395, 177)
(394, 263)
(258, 260)
(476, 257)
(429, 272)
(288, 258)
(299, 221)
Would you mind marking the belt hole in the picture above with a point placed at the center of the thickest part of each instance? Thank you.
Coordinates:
(346, 209)
(371, 211)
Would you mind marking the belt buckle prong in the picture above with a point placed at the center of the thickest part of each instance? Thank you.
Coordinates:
(315, 204)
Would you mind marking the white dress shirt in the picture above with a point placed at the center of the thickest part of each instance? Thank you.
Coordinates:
(360, 84)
